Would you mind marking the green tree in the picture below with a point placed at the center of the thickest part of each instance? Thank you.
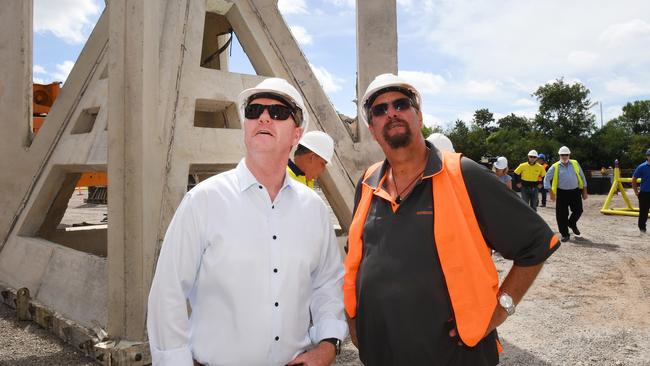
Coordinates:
(563, 112)
(483, 118)
(516, 123)
(636, 116)
(610, 143)
(458, 135)
(428, 130)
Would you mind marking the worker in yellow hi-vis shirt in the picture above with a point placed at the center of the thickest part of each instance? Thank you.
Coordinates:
(528, 174)
(315, 150)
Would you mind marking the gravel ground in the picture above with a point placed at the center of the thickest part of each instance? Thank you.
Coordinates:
(589, 306)
(24, 343)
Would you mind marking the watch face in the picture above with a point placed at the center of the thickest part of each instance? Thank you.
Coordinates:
(505, 301)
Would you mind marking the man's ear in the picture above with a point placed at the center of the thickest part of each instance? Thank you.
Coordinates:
(297, 134)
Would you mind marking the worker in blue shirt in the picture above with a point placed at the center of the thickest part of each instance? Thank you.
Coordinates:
(643, 171)
(567, 184)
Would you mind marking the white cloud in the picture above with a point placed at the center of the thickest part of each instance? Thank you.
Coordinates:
(330, 82)
(624, 32)
(300, 33)
(38, 69)
(582, 58)
(483, 87)
(38, 81)
(624, 86)
(523, 102)
(431, 120)
(424, 82)
(69, 20)
(292, 7)
(62, 71)
(345, 3)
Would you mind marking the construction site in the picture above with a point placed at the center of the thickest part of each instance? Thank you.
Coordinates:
(91, 174)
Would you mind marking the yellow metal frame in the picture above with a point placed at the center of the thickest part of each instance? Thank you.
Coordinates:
(617, 186)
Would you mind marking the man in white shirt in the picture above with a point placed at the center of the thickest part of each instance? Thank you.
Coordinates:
(255, 254)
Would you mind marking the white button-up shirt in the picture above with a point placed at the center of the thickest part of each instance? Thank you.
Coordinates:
(253, 271)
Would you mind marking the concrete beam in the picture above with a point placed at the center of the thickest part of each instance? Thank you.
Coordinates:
(376, 47)
(133, 155)
(15, 103)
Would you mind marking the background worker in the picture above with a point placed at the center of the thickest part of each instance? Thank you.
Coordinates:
(541, 159)
(567, 184)
(255, 254)
(314, 151)
(414, 303)
(441, 142)
(500, 167)
(528, 174)
(643, 171)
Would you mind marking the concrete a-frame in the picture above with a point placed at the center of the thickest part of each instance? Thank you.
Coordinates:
(145, 95)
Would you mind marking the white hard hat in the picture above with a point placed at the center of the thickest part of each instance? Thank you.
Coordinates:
(278, 87)
(532, 153)
(441, 142)
(385, 81)
(564, 150)
(320, 143)
(501, 162)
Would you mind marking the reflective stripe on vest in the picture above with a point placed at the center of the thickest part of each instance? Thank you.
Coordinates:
(465, 258)
(556, 173)
(301, 178)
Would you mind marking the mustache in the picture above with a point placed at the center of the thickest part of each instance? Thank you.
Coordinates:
(395, 121)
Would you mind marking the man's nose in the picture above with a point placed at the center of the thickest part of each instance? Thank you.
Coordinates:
(265, 117)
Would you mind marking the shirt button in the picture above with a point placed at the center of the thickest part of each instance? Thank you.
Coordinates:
(275, 270)
(276, 304)
(260, 187)
(277, 338)
(274, 237)
(272, 207)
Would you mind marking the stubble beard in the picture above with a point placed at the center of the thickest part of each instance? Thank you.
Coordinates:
(399, 140)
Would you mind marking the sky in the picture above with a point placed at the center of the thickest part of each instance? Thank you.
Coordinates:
(462, 55)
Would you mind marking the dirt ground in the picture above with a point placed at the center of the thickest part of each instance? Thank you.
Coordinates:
(589, 306)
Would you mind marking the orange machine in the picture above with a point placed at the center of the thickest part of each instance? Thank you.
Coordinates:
(44, 97)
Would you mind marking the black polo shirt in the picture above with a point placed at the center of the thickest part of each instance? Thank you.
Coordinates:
(403, 311)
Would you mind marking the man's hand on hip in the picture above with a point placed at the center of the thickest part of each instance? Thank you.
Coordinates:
(322, 355)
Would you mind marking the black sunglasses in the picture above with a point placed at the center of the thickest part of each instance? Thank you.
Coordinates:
(400, 104)
(277, 112)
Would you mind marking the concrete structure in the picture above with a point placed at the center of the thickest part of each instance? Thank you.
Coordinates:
(150, 109)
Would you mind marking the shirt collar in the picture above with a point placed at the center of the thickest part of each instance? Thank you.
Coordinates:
(246, 179)
(432, 167)
(294, 168)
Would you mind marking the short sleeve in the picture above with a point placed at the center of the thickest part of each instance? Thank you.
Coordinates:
(509, 226)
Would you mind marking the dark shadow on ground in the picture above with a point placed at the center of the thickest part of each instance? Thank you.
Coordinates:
(583, 242)
(513, 355)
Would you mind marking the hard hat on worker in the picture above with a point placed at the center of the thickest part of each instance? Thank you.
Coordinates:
(441, 142)
(542, 156)
(281, 90)
(532, 153)
(564, 151)
(320, 143)
(501, 163)
(647, 152)
(385, 83)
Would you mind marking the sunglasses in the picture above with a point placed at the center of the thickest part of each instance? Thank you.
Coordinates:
(381, 109)
(277, 112)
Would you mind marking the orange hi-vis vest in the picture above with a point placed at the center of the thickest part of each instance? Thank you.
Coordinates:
(465, 258)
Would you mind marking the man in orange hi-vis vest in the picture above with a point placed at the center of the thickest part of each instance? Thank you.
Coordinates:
(420, 286)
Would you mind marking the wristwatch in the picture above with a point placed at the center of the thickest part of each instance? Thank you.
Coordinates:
(336, 342)
(506, 303)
